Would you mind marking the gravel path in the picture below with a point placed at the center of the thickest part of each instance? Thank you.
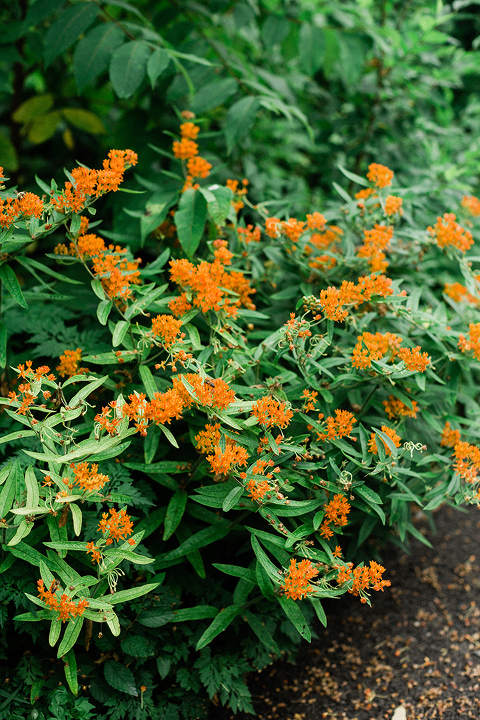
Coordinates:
(415, 654)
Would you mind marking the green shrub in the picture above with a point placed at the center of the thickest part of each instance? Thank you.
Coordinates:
(227, 438)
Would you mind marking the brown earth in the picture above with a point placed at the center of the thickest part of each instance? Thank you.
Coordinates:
(418, 646)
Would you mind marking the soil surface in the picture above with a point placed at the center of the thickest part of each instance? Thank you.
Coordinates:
(418, 646)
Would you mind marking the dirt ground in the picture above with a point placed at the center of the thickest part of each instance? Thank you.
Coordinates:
(417, 647)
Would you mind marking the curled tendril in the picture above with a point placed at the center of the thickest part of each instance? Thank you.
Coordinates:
(345, 478)
(411, 446)
(113, 577)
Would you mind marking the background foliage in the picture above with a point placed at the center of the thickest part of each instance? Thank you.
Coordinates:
(300, 98)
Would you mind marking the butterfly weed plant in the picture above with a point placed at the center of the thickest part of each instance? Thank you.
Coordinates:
(241, 416)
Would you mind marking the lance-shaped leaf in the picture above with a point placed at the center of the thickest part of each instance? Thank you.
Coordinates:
(219, 624)
(9, 280)
(175, 510)
(71, 634)
(190, 220)
(71, 671)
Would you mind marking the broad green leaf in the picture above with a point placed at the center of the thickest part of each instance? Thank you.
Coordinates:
(70, 636)
(128, 595)
(138, 646)
(155, 617)
(219, 624)
(40, 10)
(103, 311)
(156, 64)
(31, 484)
(9, 280)
(214, 94)
(8, 490)
(24, 529)
(219, 202)
(368, 494)
(84, 120)
(44, 127)
(86, 390)
(114, 624)
(239, 120)
(175, 510)
(67, 28)
(92, 53)
(311, 48)
(71, 671)
(190, 220)
(16, 436)
(121, 329)
(295, 615)
(8, 154)
(128, 67)
(97, 288)
(120, 677)
(33, 107)
(232, 498)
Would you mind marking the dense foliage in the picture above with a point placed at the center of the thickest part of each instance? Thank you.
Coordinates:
(225, 393)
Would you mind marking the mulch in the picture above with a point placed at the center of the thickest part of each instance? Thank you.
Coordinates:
(418, 646)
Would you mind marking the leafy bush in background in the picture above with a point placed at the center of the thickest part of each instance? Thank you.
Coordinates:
(256, 409)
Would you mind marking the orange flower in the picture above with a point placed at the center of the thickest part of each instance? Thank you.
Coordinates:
(257, 489)
(88, 479)
(69, 364)
(380, 175)
(272, 413)
(65, 607)
(249, 234)
(372, 445)
(96, 555)
(459, 293)
(185, 149)
(448, 232)
(309, 400)
(414, 359)
(364, 578)
(467, 461)
(296, 583)
(473, 342)
(316, 221)
(222, 253)
(116, 272)
(375, 242)
(108, 420)
(168, 329)
(472, 204)
(118, 525)
(208, 392)
(336, 511)
(374, 347)
(222, 460)
(189, 130)
(396, 408)
(208, 439)
(339, 426)
(198, 167)
(449, 437)
(393, 205)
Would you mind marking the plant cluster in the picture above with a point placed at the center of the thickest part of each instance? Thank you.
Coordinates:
(221, 431)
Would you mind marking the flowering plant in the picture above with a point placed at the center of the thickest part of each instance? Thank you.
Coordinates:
(269, 440)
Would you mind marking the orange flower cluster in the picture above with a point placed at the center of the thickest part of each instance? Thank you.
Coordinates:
(90, 183)
(415, 359)
(88, 478)
(26, 399)
(364, 578)
(467, 461)
(294, 228)
(272, 413)
(380, 175)
(332, 301)
(374, 346)
(472, 204)
(65, 607)
(450, 437)
(323, 241)
(96, 554)
(364, 194)
(167, 329)
(107, 419)
(249, 234)
(208, 441)
(393, 205)
(221, 252)
(309, 398)
(336, 512)
(26, 372)
(187, 149)
(160, 410)
(339, 426)
(472, 344)
(25, 205)
(257, 489)
(316, 221)
(459, 293)
(238, 204)
(395, 408)
(69, 364)
(448, 233)
(296, 583)
(205, 282)
(209, 392)
(118, 525)
(375, 242)
(372, 445)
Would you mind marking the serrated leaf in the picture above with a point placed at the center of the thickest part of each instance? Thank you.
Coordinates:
(128, 67)
(138, 646)
(190, 220)
(120, 677)
(67, 28)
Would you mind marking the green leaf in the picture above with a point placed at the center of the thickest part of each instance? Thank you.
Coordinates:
(8, 490)
(157, 63)
(120, 677)
(84, 120)
(175, 510)
(30, 262)
(8, 154)
(31, 484)
(148, 381)
(121, 329)
(36, 685)
(236, 571)
(197, 540)
(219, 624)
(71, 634)
(367, 494)
(86, 390)
(239, 120)
(16, 435)
(155, 617)
(114, 624)
(151, 443)
(199, 612)
(232, 498)
(67, 28)
(33, 108)
(44, 127)
(128, 67)
(128, 595)
(214, 94)
(24, 529)
(39, 11)
(103, 311)
(55, 629)
(295, 615)
(311, 48)
(190, 220)
(317, 606)
(92, 53)
(71, 671)
(77, 518)
(138, 646)
(262, 633)
(353, 176)
(219, 203)
(9, 280)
